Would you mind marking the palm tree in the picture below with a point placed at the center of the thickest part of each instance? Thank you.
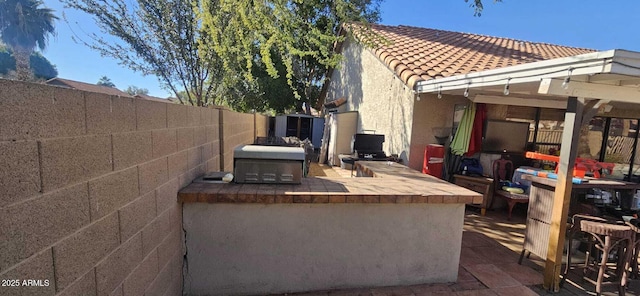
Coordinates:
(23, 26)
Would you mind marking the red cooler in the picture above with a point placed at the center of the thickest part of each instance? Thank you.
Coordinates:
(433, 160)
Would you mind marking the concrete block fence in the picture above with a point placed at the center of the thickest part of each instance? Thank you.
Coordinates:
(88, 186)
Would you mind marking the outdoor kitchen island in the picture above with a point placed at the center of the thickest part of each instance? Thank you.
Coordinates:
(326, 233)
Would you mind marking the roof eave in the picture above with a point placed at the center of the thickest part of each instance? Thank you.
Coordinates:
(585, 64)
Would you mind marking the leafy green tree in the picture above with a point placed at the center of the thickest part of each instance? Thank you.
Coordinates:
(42, 68)
(24, 25)
(264, 93)
(158, 37)
(264, 42)
(105, 81)
(237, 53)
(134, 90)
(300, 34)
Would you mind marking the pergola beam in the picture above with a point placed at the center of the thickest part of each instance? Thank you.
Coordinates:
(518, 101)
(562, 194)
(585, 64)
(591, 109)
(626, 94)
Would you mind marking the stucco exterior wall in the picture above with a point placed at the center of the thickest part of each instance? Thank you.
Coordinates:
(384, 102)
(430, 112)
(248, 249)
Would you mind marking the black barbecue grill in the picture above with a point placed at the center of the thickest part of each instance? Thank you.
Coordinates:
(369, 147)
(366, 147)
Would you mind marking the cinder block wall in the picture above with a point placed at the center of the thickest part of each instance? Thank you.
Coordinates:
(235, 129)
(88, 187)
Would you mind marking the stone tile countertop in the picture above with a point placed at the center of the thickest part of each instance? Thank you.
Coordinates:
(390, 183)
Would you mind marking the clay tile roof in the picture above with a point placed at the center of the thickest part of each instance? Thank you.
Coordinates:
(417, 54)
(87, 87)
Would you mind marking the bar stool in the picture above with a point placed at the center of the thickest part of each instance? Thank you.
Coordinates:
(575, 229)
(636, 248)
(607, 237)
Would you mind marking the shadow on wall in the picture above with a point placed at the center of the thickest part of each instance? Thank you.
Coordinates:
(349, 78)
(386, 109)
(404, 138)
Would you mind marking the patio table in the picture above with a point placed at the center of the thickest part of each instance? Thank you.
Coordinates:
(541, 206)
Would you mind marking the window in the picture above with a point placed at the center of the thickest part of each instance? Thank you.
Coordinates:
(591, 137)
(545, 130)
(620, 147)
(611, 140)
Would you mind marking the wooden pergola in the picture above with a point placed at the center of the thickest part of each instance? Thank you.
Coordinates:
(582, 85)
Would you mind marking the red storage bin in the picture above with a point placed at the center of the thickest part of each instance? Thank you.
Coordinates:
(433, 160)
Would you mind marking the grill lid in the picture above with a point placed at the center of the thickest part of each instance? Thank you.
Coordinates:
(368, 142)
(268, 152)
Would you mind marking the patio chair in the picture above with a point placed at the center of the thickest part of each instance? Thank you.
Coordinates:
(503, 171)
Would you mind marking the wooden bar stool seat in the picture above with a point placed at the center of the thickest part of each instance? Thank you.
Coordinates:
(572, 234)
(606, 238)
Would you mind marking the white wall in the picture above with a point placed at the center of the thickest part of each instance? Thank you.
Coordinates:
(384, 102)
(281, 248)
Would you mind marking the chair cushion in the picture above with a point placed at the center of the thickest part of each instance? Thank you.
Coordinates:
(511, 195)
(513, 189)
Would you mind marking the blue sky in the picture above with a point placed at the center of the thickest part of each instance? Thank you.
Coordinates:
(600, 25)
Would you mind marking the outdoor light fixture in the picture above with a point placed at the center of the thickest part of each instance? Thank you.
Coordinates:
(565, 83)
(506, 87)
(440, 92)
(466, 91)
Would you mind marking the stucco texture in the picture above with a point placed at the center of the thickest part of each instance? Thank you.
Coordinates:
(384, 102)
(430, 112)
(281, 248)
(387, 106)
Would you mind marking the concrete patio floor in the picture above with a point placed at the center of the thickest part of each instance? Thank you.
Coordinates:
(491, 246)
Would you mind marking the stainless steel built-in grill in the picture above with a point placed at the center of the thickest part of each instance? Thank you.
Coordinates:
(268, 164)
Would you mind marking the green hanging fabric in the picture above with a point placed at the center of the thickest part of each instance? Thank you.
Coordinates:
(460, 143)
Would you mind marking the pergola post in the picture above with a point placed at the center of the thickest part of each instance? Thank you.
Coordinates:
(562, 196)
